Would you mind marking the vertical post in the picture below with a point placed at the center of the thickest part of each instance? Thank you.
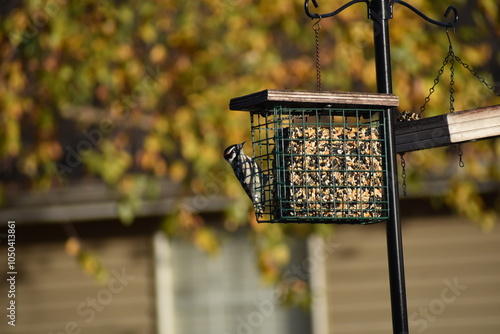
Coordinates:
(380, 13)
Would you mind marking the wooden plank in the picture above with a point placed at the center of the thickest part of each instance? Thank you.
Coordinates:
(474, 124)
(455, 128)
(422, 134)
(270, 97)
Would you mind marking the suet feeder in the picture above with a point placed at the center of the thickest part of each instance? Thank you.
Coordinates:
(323, 155)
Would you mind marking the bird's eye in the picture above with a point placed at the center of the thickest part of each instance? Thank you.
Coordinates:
(228, 152)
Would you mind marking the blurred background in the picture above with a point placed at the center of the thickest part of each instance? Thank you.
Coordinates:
(114, 117)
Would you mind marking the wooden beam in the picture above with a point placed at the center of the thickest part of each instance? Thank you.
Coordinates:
(444, 130)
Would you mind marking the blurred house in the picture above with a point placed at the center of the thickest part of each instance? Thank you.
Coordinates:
(156, 285)
(452, 278)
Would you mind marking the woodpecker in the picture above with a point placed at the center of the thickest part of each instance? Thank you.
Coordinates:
(249, 174)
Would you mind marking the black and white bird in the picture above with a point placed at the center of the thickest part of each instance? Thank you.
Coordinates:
(249, 174)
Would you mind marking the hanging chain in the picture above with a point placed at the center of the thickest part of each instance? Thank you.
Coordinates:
(452, 80)
(403, 173)
(452, 91)
(408, 116)
(450, 57)
(436, 81)
(317, 28)
(480, 78)
(460, 155)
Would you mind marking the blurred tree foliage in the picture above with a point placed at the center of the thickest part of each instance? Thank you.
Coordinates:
(147, 84)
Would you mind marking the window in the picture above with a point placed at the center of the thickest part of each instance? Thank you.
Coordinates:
(223, 294)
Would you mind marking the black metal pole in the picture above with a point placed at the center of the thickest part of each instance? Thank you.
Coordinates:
(380, 13)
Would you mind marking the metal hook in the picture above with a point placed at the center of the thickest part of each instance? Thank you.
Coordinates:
(448, 35)
(455, 17)
(401, 2)
(317, 25)
(438, 23)
(315, 3)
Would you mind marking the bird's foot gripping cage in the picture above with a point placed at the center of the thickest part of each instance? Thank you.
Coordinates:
(322, 155)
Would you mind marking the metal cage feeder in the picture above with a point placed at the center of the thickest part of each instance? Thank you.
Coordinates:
(322, 155)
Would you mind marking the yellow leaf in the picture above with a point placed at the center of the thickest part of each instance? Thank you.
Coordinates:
(72, 246)
(158, 53)
(147, 33)
(124, 52)
(177, 171)
(152, 143)
(206, 240)
(281, 254)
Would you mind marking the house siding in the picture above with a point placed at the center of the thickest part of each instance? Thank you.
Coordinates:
(54, 295)
(452, 278)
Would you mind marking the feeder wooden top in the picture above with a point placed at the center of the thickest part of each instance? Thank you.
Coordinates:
(301, 98)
